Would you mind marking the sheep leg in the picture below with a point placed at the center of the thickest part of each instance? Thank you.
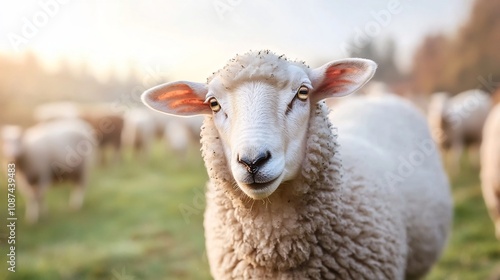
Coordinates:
(473, 155)
(102, 155)
(34, 202)
(78, 193)
(76, 197)
(32, 207)
(28, 192)
(454, 158)
(117, 155)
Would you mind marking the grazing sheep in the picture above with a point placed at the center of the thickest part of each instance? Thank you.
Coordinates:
(49, 152)
(138, 131)
(457, 122)
(490, 166)
(286, 199)
(177, 133)
(181, 133)
(108, 129)
(161, 121)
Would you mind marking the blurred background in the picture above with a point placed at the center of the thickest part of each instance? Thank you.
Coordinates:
(143, 208)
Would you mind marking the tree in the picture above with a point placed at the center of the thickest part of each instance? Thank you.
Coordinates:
(470, 59)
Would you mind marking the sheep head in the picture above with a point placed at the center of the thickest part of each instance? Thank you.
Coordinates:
(11, 141)
(261, 103)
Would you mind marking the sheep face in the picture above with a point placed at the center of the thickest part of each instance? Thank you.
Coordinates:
(261, 105)
(263, 129)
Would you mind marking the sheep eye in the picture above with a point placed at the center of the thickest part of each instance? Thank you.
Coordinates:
(303, 93)
(214, 104)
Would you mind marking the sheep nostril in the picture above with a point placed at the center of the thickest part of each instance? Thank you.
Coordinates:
(253, 165)
(262, 158)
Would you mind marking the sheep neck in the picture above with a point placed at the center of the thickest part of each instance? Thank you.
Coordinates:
(288, 219)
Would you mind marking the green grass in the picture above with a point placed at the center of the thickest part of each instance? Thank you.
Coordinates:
(129, 228)
(472, 251)
(132, 227)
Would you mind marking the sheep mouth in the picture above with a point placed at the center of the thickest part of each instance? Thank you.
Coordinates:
(261, 190)
(260, 186)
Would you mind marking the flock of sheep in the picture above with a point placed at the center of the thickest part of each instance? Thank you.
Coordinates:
(68, 140)
(297, 189)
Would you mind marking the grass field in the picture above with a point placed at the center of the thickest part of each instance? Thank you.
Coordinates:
(144, 221)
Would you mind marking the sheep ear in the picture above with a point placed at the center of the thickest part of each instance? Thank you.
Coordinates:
(341, 77)
(178, 98)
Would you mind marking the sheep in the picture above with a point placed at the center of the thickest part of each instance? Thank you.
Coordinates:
(107, 123)
(181, 134)
(107, 127)
(177, 133)
(49, 152)
(490, 166)
(138, 131)
(285, 198)
(457, 122)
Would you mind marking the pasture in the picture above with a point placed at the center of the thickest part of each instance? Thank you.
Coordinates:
(143, 220)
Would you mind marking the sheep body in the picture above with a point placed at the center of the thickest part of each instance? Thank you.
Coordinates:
(342, 225)
(490, 166)
(467, 112)
(457, 122)
(334, 215)
(108, 129)
(138, 131)
(50, 152)
(393, 130)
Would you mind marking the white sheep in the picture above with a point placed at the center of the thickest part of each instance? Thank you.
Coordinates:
(177, 133)
(138, 131)
(182, 134)
(328, 208)
(457, 122)
(47, 153)
(490, 166)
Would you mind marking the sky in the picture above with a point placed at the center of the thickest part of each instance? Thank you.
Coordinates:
(191, 39)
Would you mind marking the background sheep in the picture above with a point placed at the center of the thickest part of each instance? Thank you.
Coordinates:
(457, 122)
(329, 214)
(490, 166)
(178, 134)
(108, 129)
(47, 153)
(138, 131)
(182, 134)
(107, 124)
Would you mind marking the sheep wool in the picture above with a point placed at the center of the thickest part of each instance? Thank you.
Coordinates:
(290, 196)
(314, 228)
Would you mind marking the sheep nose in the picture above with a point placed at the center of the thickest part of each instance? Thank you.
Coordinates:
(253, 164)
